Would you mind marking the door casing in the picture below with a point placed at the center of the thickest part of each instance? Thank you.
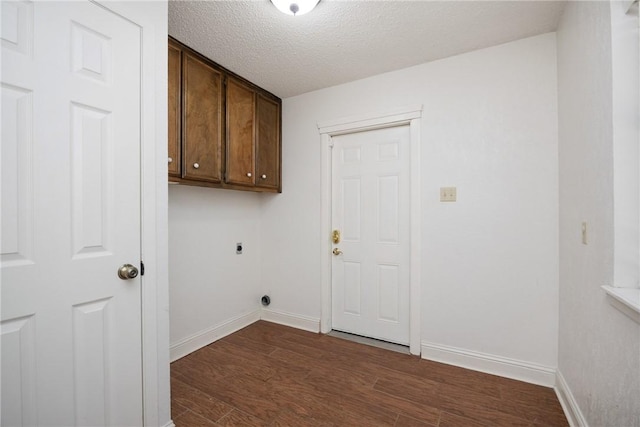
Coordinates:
(412, 117)
(154, 194)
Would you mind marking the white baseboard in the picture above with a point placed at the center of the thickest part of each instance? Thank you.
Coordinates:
(206, 337)
(569, 404)
(488, 363)
(294, 320)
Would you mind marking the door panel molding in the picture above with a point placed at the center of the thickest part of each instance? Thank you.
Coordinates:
(412, 117)
(72, 123)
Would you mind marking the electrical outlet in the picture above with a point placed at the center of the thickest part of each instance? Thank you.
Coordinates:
(448, 194)
(584, 233)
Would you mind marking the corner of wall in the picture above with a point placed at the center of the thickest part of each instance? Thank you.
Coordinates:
(569, 403)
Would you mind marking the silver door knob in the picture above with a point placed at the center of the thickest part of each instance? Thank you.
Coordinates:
(264, 176)
(127, 272)
(196, 165)
(337, 251)
(249, 174)
(170, 160)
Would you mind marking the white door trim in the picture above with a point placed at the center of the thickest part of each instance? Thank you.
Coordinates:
(410, 116)
(154, 223)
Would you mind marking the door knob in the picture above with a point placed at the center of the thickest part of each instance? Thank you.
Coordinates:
(196, 165)
(170, 160)
(337, 251)
(127, 272)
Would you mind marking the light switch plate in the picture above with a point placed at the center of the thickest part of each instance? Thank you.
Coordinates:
(448, 194)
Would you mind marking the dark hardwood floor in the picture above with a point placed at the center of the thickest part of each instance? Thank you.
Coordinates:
(272, 375)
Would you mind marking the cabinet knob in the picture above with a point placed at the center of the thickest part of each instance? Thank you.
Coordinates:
(170, 160)
(263, 176)
(196, 165)
(249, 174)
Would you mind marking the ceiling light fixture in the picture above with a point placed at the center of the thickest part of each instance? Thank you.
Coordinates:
(295, 7)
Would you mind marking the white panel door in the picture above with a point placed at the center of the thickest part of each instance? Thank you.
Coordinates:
(371, 209)
(71, 328)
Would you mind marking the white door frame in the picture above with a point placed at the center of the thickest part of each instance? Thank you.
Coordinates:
(412, 117)
(151, 17)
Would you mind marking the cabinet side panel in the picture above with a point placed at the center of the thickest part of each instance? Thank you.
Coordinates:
(240, 134)
(174, 77)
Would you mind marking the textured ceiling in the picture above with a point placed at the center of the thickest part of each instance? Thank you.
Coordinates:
(341, 41)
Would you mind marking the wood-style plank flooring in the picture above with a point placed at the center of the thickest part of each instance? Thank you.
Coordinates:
(273, 375)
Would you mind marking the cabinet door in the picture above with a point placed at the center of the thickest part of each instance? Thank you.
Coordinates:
(202, 120)
(268, 143)
(240, 133)
(175, 76)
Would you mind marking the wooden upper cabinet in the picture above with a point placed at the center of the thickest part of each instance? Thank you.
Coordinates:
(202, 128)
(224, 131)
(253, 137)
(240, 133)
(175, 77)
(268, 143)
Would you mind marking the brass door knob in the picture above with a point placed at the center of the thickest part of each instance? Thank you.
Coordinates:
(337, 251)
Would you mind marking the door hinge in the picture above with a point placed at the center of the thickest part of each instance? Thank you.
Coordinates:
(141, 268)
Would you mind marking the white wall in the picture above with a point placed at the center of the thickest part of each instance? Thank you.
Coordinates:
(209, 284)
(490, 261)
(599, 347)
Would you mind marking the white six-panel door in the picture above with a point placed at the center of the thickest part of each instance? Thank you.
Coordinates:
(371, 209)
(71, 328)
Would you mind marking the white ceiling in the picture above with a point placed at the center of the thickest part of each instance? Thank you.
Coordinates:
(341, 41)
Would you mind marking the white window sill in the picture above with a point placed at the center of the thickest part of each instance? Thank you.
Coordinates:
(627, 300)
